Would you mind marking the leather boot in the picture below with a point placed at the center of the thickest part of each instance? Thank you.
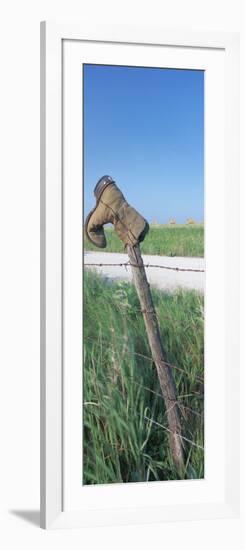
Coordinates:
(112, 207)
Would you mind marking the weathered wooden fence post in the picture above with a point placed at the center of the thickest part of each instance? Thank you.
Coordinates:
(164, 372)
(111, 206)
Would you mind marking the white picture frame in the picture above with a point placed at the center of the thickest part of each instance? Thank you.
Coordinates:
(58, 201)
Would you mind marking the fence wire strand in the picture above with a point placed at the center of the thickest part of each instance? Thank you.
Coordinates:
(143, 356)
(158, 425)
(181, 406)
(126, 309)
(174, 433)
(129, 264)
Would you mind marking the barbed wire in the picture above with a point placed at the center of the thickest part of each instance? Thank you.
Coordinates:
(143, 356)
(174, 433)
(181, 406)
(128, 264)
(127, 308)
(158, 424)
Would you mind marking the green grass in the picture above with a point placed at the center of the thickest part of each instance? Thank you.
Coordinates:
(122, 396)
(176, 240)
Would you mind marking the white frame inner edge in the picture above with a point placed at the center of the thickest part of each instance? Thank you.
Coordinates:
(64, 501)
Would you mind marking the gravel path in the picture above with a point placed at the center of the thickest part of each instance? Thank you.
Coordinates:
(161, 278)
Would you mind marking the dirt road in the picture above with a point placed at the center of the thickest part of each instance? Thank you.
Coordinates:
(160, 278)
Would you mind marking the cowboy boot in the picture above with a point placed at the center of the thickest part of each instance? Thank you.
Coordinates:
(112, 207)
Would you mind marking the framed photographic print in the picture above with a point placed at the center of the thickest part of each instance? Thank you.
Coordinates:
(139, 275)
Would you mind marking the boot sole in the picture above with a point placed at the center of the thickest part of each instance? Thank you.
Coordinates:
(100, 192)
(86, 227)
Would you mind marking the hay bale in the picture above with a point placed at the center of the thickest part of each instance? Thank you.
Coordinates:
(190, 221)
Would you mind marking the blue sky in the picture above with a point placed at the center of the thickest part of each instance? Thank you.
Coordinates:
(145, 128)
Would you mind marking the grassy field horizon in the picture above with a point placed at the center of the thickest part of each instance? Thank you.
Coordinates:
(163, 240)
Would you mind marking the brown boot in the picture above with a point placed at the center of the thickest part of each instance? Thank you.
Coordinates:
(112, 207)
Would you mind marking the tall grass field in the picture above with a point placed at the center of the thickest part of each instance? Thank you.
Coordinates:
(125, 436)
(164, 240)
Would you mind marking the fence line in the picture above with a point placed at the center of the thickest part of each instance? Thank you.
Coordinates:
(147, 357)
(156, 424)
(181, 406)
(126, 308)
(129, 264)
(176, 402)
(174, 433)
